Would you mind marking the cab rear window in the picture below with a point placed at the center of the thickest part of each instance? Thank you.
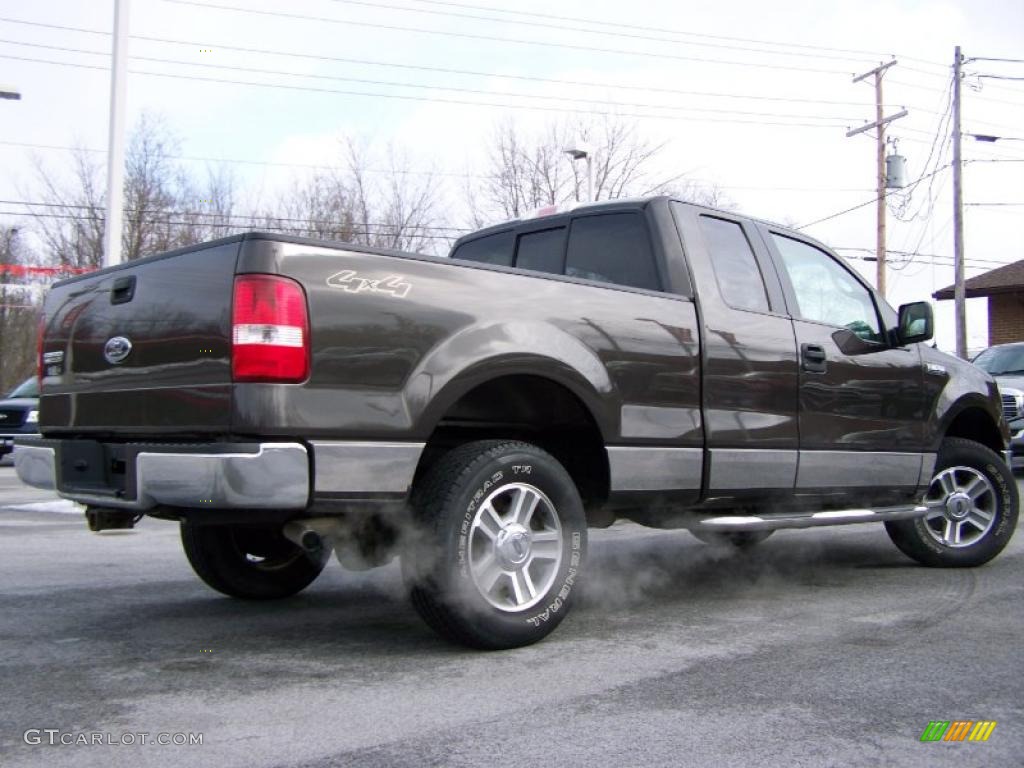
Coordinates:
(492, 249)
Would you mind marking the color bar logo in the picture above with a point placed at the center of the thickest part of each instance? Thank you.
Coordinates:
(958, 730)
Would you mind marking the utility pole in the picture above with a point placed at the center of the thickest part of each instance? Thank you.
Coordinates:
(880, 123)
(959, 297)
(115, 144)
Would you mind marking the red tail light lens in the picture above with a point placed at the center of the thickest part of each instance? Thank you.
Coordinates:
(270, 330)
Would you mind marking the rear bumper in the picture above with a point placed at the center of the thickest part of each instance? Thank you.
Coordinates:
(248, 476)
(276, 476)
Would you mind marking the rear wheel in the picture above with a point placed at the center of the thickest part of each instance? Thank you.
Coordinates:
(255, 563)
(974, 511)
(501, 542)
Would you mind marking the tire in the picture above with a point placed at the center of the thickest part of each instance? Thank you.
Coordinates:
(501, 540)
(978, 518)
(252, 563)
(734, 539)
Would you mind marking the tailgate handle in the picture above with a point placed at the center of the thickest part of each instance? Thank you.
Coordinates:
(123, 291)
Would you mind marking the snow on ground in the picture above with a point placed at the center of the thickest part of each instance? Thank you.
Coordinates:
(63, 507)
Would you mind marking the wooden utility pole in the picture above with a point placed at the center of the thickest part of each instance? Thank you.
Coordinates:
(959, 297)
(880, 123)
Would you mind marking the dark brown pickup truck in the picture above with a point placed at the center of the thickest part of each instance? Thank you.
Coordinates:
(652, 360)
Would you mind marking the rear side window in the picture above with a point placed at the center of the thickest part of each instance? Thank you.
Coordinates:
(542, 251)
(612, 248)
(739, 278)
(493, 249)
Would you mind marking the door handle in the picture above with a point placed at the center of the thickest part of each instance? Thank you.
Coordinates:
(812, 358)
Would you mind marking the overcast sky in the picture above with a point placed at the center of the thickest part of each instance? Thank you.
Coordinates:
(753, 97)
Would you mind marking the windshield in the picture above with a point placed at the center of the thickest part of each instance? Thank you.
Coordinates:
(999, 360)
(27, 388)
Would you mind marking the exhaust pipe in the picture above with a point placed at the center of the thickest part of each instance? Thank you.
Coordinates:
(303, 536)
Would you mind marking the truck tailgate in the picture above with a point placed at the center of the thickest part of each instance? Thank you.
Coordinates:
(143, 348)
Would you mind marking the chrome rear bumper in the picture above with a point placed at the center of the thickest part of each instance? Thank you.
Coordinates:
(257, 476)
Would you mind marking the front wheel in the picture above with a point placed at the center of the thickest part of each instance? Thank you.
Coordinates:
(255, 563)
(502, 537)
(974, 508)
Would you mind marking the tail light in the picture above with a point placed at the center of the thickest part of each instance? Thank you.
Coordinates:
(270, 330)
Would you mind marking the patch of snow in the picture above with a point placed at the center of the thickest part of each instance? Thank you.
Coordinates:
(63, 507)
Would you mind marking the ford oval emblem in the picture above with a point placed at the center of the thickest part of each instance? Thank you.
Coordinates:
(117, 349)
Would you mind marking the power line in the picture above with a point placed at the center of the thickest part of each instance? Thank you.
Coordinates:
(576, 29)
(842, 212)
(222, 215)
(485, 74)
(435, 100)
(989, 58)
(621, 25)
(559, 98)
(496, 39)
(443, 70)
(211, 225)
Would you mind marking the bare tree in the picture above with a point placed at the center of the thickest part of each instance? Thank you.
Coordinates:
(525, 172)
(19, 312)
(355, 202)
(164, 206)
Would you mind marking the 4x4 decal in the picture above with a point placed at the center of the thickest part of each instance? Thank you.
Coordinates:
(349, 280)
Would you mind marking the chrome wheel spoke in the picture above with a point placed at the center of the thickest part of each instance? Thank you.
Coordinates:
(935, 512)
(488, 572)
(979, 519)
(525, 503)
(488, 522)
(547, 545)
(948, 482)
(947, 533)
(976, 488)
(522, 586)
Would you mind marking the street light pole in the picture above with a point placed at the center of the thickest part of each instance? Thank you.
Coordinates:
(115, 144)
(584, 153)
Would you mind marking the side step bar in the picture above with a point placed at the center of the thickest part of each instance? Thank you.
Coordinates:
(771, 522)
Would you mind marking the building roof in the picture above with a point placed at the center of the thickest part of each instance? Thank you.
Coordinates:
(1008, 279)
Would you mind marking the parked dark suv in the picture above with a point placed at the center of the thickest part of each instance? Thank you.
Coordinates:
(19, 414)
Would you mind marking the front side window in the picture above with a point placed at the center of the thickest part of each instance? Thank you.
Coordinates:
(492, 249)
(732, 259)
(825, 291)
(612, 248)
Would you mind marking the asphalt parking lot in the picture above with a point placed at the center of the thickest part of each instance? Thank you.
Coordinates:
(817, 648)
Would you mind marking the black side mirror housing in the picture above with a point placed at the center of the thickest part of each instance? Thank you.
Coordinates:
(916, 323)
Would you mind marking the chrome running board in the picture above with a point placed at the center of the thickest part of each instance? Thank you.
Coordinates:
(771, 522)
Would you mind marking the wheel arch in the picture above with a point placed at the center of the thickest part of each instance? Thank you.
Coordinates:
(556, 413)
(971, 418)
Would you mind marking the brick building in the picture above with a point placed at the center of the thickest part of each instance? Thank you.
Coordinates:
(1004, 288)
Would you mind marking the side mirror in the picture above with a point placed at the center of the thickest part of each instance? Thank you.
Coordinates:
(916, 323)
